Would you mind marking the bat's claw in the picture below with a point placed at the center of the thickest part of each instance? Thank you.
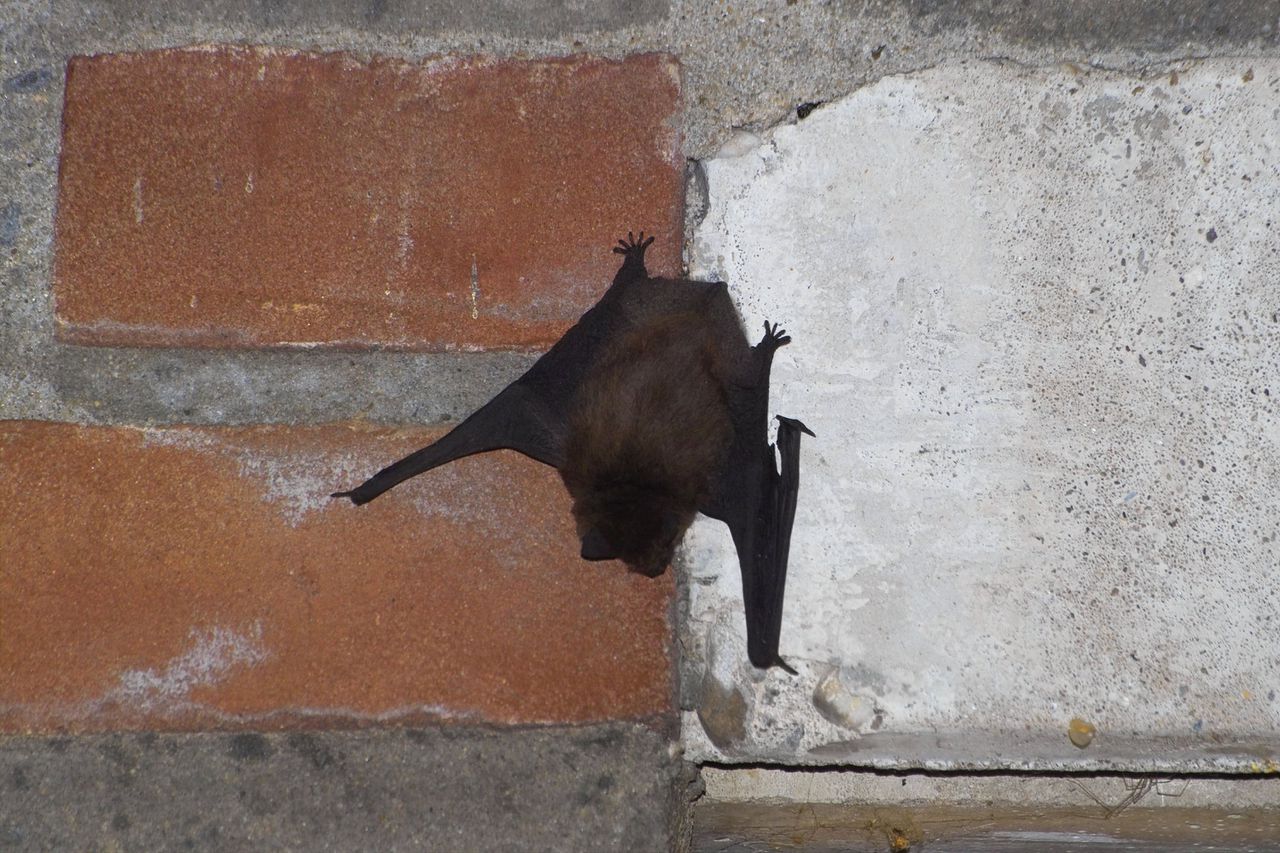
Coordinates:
(632, 247)
(784, 666)
(773, 336)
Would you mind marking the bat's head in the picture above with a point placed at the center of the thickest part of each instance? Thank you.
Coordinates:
(639, 527)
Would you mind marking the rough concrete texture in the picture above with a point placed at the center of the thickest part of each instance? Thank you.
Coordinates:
(185, 579)
(744, 65)
(594, 788)
(253, 197)
(1036, 333)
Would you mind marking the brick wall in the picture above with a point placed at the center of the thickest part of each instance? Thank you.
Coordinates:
(184, 577)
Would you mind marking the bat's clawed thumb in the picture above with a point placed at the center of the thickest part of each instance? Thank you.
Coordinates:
(794, 424)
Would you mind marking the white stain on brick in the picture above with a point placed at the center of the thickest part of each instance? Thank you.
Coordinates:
(402, 714)
(475, 289)
(296, 483)
(212, 656)
(404, 237)
(137, 200)
(483, 505)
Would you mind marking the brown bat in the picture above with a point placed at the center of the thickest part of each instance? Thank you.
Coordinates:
(653, 407)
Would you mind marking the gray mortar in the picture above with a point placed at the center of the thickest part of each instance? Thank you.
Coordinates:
(593, 788)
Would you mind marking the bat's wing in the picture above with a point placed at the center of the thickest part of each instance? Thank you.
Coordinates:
(770, 578)
(529, 415)
(758, 503)
(517, 419)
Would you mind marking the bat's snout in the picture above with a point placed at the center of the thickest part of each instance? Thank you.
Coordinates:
(595, 547)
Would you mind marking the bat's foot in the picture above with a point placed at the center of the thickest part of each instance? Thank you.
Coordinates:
(784, 666)
(632, 247)
(352, 495)
(774, 338)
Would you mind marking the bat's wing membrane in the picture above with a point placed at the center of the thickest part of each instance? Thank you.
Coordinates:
(530, 415)
(516, 419)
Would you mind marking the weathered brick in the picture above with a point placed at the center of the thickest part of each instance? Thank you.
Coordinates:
(194, 578)
(246, 197)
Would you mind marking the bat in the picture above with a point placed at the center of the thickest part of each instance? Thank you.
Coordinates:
(653, 407)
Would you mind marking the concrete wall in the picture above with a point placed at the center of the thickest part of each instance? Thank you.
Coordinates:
(1035, 327)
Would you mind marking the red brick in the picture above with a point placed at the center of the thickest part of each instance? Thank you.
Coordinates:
(248, 197)
(181, 579)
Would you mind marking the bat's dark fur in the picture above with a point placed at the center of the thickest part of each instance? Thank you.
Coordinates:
(653, 407)
(647, 430)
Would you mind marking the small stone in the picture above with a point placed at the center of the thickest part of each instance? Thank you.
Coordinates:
(837, 704)
(723, 713)
(1081, 732)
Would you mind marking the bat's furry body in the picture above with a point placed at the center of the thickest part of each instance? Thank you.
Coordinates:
(648, 429)
(653, 407)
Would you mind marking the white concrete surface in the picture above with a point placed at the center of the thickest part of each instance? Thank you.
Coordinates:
(1035, 329)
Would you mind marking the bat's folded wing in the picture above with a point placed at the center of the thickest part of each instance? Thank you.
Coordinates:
(758, 503)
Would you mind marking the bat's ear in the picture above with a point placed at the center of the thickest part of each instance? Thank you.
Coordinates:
(596, 547)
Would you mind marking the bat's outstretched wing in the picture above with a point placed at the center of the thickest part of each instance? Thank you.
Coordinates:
(517, 419)
(758, 503)
(530, 414)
